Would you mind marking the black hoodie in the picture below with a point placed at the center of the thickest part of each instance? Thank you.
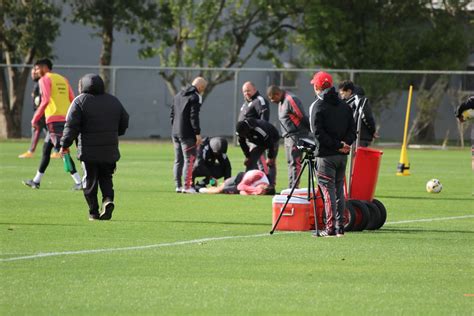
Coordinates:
(96, 119)
(331, 123)
(185, 113)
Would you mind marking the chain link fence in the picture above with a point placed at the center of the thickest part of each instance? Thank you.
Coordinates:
(147, 97)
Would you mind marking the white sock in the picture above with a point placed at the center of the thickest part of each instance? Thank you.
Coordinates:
(38, 177)
(76, 177)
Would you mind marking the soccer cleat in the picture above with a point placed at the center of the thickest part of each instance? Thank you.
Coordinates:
(189, 190)
(107, 209)
(324, 233)
(55, 155)
(340, 232)
(179, 190)
(27, 154)
(31, 184)
(77, 187)
(93, 216)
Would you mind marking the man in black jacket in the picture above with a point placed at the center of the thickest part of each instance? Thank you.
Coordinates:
(354, 97)
(465, 112)
(186, 132)
(255, 105)
(212, 161)
(334, 130)
(96, 119)
(264, 136)
(294, 125)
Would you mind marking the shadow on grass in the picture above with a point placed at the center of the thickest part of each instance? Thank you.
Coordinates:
(197, 222)
(41, 224)
(380, 197)
(416, 231)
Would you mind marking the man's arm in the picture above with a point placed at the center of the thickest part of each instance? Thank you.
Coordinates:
(45, 88)
(71, 93)
(367, 117)
(194, 114)
(123, 124)
(243, 145)
(72, 127)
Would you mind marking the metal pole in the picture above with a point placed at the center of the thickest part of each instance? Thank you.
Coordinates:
(114, 77)
(236, 106)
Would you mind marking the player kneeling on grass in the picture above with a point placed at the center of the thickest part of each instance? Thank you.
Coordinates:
(212, 162)
(253, 182)
(96, 119)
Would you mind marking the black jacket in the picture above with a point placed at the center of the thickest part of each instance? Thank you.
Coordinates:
(466, 105)
(185, 113)
(331, 122)
(96, 119)
(212, 152)
(257, 108)
(258, 132)
(367, 126)
(293, 119)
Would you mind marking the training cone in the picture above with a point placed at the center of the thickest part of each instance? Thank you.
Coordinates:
(403, 168)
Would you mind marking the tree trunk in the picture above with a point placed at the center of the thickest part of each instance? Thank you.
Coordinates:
(106, 52)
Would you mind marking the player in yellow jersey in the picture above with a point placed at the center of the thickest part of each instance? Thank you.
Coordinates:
(56, 97)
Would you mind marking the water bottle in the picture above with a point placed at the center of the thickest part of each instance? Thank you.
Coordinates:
(67, 162)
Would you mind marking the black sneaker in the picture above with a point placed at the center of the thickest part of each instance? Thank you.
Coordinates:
(324, 233)
(340, 232)
(107, 209)
(31, 184)
(94, 216)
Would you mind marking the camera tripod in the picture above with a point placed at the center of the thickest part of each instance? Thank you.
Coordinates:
(308, 160)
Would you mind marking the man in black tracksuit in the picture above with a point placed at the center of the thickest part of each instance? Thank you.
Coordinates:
(186, 132)
(354, 97)
(294, 125)
(96, 119)
(334, 130)
(264, 136)
(212, 160)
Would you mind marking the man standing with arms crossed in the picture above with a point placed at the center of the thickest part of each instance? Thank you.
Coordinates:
(334, 130)
(186, 132)
(294, 124)
(56, 97)
(96, 119)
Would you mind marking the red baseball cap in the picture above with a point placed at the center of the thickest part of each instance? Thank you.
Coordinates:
(322, 80)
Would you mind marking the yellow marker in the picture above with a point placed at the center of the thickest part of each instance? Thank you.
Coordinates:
(403, 168)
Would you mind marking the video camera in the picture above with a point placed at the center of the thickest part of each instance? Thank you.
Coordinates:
(306, 145)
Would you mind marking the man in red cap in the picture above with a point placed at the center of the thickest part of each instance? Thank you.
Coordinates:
(334, 130)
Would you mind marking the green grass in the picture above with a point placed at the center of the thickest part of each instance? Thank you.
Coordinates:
(415, 268)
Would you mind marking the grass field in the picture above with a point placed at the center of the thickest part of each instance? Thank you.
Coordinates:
(165, 253)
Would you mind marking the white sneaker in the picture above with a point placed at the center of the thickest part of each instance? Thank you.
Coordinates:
(179, 190)
(203, 190)
(190, 190)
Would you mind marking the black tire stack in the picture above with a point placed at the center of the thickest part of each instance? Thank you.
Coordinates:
(360, 215)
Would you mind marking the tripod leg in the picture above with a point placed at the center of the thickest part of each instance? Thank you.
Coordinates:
(312, 187)
(289, 196)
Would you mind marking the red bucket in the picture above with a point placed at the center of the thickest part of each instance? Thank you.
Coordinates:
(365, 172)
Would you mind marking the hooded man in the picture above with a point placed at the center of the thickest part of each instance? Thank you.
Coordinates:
(334, 131)
(212, 161)
(96, 119)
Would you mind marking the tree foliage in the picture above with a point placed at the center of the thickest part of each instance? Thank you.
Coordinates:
(217, 34)
(27, 30)
(136, 18)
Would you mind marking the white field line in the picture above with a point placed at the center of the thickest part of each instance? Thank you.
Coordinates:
(195, 241)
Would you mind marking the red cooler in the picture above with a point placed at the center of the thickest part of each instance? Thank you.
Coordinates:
(365, 172)
(303, 193)
(297, 214)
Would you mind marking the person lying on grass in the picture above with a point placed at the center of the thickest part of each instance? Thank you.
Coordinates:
(253, 182)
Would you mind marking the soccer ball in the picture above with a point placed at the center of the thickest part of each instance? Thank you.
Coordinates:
(434, 186)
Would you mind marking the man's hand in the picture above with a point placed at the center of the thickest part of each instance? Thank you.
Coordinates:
(345, 149)
(198, 140)
(63, 151)
(34, 125)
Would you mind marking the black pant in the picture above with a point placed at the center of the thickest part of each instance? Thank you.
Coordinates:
(215, 171)
(55, 133)
(97, 174)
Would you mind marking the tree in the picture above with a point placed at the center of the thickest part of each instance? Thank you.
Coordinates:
(372, 34)
(27, 29)
(136, 18)
(220, 33)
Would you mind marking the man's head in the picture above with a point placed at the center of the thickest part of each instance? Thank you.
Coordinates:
(346, 89)
(218, 145)
(34, 75)
(248, 90)
(92, 84)
(275, 94)
(200, 83)
(321, 81)
(43, 66)
(243, 128)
